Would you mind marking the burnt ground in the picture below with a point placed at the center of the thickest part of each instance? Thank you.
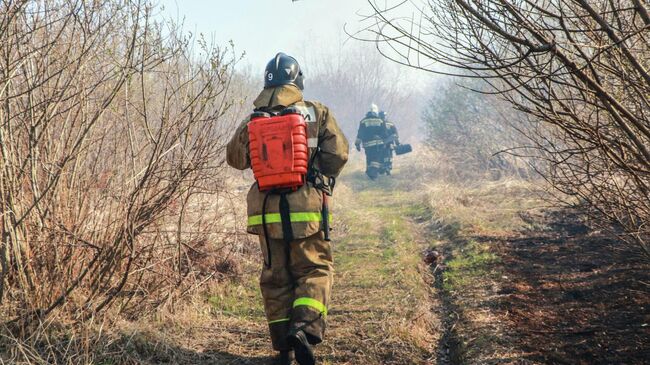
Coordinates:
(570, 295)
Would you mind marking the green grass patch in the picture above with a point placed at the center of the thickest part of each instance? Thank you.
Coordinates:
(418, 212)
(471, 264)
(239, 300)
(389, 253)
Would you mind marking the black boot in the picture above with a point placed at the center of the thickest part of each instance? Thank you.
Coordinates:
(284, 358)
(302, 348)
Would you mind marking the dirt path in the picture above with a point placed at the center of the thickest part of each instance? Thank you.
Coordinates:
(384, 308)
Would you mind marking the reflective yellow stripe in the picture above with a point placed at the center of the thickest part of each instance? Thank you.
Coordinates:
(372, 122)
(310, 302)
(372, 143)
(279, 320)
(256, 220)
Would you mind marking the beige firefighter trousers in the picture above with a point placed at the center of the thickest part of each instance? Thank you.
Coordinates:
(296, 287)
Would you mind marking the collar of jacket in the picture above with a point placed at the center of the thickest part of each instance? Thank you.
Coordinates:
(284, 95)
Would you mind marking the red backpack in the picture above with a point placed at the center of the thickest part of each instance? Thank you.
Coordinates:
(278, 149)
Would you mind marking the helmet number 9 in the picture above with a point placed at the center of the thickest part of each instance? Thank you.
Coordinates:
(269, 76)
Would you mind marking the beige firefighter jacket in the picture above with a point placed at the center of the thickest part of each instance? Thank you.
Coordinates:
(305, 203)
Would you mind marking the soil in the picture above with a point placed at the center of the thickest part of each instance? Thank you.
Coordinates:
(570, 295)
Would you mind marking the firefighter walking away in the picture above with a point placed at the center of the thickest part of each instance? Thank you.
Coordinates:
(379, 139)
(296, 150)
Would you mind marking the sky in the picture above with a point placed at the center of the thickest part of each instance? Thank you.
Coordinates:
(305, 29)
(261, 28)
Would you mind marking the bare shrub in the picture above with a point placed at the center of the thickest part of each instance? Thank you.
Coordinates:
(111, 135)
(470, 128)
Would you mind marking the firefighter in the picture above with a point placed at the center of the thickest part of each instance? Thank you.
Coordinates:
(296, 278)
(373, 135)
(391, 141)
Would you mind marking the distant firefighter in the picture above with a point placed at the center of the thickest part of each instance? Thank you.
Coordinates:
(379, 139)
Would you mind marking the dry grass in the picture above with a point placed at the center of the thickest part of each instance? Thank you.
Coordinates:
(489, 206)
(221, 325)
(385, 308)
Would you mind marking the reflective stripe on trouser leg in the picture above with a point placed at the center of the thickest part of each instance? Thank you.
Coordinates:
(311, 302)
(311, 267)
(373, 143)
(277, 290)
(374, 158)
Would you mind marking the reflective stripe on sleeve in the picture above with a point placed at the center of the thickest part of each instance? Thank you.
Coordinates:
(256, 220)
(311, 302)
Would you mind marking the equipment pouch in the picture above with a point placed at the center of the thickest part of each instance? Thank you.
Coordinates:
(403, 149)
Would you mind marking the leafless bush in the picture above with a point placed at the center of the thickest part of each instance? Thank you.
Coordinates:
(111, 140)
(578, 69)
(469, 129)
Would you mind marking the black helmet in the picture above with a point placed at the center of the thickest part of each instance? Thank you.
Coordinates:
(283, 70)
(383, 115)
